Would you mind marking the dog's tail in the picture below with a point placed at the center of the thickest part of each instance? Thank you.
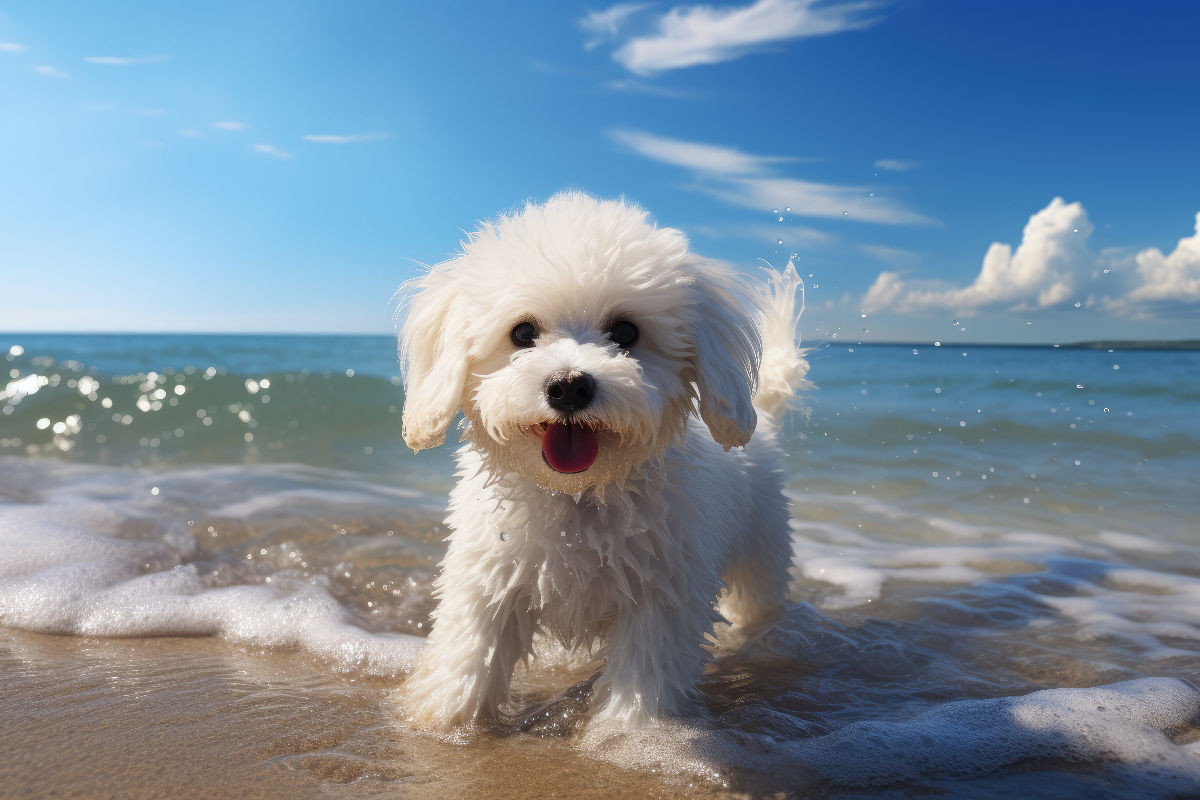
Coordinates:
(784, 366)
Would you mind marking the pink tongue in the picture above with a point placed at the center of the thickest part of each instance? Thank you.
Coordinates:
(569, 447)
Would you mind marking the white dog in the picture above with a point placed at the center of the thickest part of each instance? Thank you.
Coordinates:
(609, 491)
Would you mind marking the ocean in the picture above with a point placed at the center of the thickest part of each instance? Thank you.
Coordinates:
(216, 556)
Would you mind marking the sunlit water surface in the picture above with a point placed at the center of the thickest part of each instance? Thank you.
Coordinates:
(972, 526)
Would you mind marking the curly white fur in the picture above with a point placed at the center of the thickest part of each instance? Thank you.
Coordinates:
(681, 508)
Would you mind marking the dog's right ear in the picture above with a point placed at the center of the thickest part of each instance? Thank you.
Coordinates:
(433, 353)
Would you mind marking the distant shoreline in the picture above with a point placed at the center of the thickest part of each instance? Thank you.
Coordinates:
(1097, 344)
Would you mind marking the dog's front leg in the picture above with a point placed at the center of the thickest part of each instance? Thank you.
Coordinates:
(654, 658)
(463, 673)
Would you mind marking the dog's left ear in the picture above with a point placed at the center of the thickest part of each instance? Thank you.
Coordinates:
(728, 349)
(433, 352)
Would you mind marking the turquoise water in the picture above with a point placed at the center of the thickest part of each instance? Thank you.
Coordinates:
(970, 523)
(981, 428)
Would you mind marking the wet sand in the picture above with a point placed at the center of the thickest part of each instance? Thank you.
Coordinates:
(199, 718)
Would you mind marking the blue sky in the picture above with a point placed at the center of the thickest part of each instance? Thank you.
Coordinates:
(964, 171)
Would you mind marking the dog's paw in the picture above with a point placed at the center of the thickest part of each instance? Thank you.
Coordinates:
(428, 709)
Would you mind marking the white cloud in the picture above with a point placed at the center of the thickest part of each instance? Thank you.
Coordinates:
(344, 138)
(606, 24)
(1047, 268)
(642, 87)
(12, 47)
(894, 256)
(811, 199)
(688, 36)
(793, 236)
(1170, 279)
(895, 165)
(742, 179)
(271, 150)
(51, 72)
(695, 155)
(230, 125)
(123, 61)
(884, 292)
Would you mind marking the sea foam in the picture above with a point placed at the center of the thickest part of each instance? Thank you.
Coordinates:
(868, 704)
(1120, 729)
(60, 574)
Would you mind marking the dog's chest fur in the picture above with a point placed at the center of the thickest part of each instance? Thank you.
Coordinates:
(575, 562)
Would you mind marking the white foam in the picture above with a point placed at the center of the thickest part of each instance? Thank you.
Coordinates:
(1122, 724)
(62, 571)
(1154, 612)
(291, 498)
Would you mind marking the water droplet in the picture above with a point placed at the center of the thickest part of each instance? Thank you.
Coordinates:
(154, 490)
(503, 536)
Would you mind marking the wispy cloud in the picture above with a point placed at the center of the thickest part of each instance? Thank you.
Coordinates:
(51, 72)
(641, 87)
(812, 199)
(271, 150)
(12, 47)
(710, 158)
(894, 256)
(606, 25)
(230, 125)
(791, 236)
(344, 138)
(688, 36)
(895, 165)
(747, 180)
(123, 61)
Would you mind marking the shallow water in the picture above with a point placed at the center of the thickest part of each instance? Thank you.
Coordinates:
(972, 527)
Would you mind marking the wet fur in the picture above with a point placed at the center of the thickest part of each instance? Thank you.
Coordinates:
(684, 503)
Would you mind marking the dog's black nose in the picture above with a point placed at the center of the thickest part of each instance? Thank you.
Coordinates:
(570, 391)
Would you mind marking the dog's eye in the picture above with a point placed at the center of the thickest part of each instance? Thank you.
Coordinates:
(524, 334)
(623, 334)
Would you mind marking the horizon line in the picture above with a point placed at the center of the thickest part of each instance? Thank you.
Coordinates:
(1144, 344)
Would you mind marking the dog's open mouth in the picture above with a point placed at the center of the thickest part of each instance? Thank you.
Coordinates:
(568, 447)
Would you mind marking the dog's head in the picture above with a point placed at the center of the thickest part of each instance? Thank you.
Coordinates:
(577, 337)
